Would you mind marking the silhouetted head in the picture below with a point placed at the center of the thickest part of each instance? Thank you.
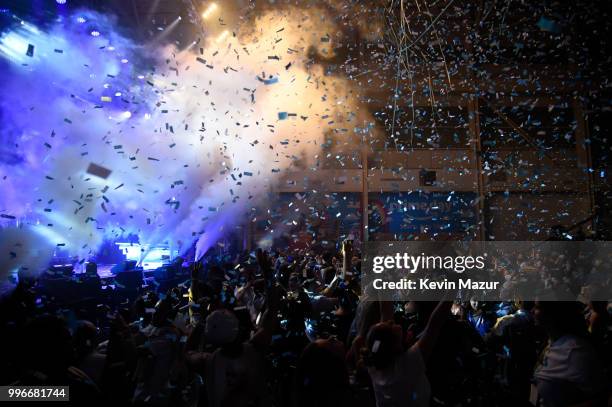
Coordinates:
(46, 345)
(560, 318)
(322, 376)
(384, 343)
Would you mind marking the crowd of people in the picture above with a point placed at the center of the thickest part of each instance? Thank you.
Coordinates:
(292, 328)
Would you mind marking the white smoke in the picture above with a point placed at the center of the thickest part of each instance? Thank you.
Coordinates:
(202, 137)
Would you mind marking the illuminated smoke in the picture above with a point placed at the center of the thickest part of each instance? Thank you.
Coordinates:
(193, 140)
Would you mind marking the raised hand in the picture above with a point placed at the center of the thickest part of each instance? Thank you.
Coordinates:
(347, 255)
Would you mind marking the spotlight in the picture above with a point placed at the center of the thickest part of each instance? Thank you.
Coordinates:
(95, 33)
(81, 20)
(222, 36)
(60, 1)
(168, 29)
(209, 10)
(17, 45)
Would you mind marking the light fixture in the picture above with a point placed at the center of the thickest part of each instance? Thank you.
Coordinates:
(222, 36)
(209, 10)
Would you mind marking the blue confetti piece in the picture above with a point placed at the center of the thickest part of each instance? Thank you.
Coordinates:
(548, 25)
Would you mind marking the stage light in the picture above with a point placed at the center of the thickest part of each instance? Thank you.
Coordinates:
(187, 49)
(209, 10)
(126, 115)
(222, 36)
(81, 20)
(60, 1)
(148, 256)
(95, 33)
(14, 46)
(168, 29)
(14, 43)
